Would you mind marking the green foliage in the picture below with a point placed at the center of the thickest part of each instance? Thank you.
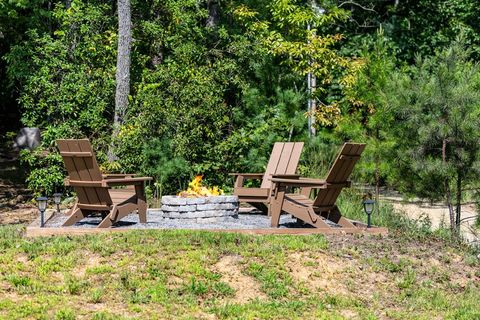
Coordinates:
(437, 108)
(271, 119)
(169, 173)
(67, 84)
(184, 104)
(207, 94)
(49, 175)
(318, 155)
(414, 26)
(74, 285)
(297, 33)
(367, 117)
(58, 73)
(214, 99)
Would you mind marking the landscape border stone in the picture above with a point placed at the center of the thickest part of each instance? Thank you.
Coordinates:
(201, 209)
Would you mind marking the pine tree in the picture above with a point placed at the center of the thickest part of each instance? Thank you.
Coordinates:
(437, 109)
(368, 106)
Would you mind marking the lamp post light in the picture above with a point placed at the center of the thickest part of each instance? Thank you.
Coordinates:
(368, 206)
(57, 197)
(42, 206)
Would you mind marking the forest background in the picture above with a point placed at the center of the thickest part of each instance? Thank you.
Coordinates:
(214, 83)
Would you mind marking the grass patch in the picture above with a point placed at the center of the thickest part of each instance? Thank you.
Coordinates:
(384, 215)
(172, 274)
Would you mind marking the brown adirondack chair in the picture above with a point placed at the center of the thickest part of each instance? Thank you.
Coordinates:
(94, 190)
(283, 160)
(314, 212)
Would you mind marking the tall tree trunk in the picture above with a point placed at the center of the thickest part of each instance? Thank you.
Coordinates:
(122, 76)
(459, 201)
(213, 13)
(447, 188)
(312, 103)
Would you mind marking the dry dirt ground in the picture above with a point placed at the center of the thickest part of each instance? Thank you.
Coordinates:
(378, 271)
(13, 208)
(14, 197)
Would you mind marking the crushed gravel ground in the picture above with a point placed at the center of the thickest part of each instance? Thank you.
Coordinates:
(155, 221)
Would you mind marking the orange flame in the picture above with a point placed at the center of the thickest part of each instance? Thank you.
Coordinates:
(196, 190)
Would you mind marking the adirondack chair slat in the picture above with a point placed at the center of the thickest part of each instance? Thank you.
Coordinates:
(88, 171)
(341, 170)
(351, 162)
(93, 207)
(83, 171)
(80, 183)
(272, 164)
(72, 170)
(76, 154)
(323, 206)
(253, 192)
(355, 150)
(283, 160)
(92, 188)
(294, 158)
(325, 196)
(101, 194)
(347, 163)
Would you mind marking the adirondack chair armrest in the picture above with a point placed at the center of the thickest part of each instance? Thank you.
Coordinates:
(126, 181)
(305, 182)
(106, 182)
(286, 176)
(118, 175)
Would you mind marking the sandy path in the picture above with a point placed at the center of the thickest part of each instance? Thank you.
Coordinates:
(438, 215)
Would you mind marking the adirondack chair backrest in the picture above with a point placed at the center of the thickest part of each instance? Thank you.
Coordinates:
(84, 173)
(283, 160)
(339, 173)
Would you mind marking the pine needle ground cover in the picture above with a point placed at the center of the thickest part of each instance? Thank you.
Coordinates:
(202, 275)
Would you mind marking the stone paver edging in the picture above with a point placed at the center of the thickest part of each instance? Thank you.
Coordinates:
(201, 210)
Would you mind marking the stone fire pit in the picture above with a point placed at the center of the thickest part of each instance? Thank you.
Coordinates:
(201, 210)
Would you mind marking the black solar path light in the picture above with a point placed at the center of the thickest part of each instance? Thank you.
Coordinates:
(368, 206)
(42, 206)
(57, 197)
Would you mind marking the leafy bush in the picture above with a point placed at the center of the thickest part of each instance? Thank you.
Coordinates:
(67, 85)
(169, 173)
(48, 175)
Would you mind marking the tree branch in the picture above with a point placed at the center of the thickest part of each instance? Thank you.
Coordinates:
(356, 4)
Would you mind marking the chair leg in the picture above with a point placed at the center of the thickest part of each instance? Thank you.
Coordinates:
(142, 216)
(309, 216)
(141, 203)
(275, 212)
(109, 219)
(117, 213)
(76, 215)
(68, 213)
(275, 207)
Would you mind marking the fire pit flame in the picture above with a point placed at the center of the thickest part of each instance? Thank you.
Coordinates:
(196, 190)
